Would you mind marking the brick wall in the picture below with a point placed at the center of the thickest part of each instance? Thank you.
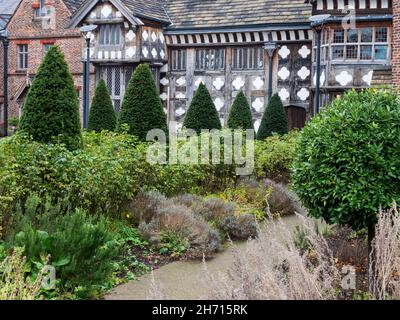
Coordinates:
(1, 75)
(24, 28)
(396, 44)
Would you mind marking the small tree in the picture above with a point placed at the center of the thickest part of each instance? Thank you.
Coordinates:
(274, 119)
(240, 116)
(102, 114)
(142, 109)
(347, 163)
(202, 113)
(51, 109)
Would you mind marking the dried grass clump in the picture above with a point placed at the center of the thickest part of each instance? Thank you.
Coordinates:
(145, 206)
(14, 285)
(282, 201)
(188, 200)
(385, 256)
(214, 209)
(168, 216)
(156, 292)
(223, 215)
(273, 268)
(239, 227)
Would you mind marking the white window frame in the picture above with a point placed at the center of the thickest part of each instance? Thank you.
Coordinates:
(345, 44)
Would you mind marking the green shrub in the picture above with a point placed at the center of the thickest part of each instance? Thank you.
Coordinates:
(202, 113)
(171, 226)
(103, 176)
(213, 209)
(240, 116)
(51, 109)
(79, 246)
(13, 122)
(274, 119)
(221, 214)
(347, 160)
(240, 227)
(274, 157)
(100, 177)
(102, 114)
(141, 108)
(281, 200)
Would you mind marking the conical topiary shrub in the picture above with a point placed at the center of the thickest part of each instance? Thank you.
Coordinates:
(202, 113)
(142, 108)
(274, 119)
(51, 109)
(102, 114)
(240, 116)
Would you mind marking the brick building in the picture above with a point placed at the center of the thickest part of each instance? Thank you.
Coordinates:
(33, 28)
(396, 44)
(7, 8)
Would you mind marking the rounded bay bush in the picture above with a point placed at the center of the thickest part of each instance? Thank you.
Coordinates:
(347, 159)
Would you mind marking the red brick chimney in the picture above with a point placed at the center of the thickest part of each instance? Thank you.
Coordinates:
(396, 44)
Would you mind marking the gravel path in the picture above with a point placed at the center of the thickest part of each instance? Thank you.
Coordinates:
(181, 280)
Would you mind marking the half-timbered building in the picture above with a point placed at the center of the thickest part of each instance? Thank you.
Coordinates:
(356, 45)
(220, 43)
(225, 44)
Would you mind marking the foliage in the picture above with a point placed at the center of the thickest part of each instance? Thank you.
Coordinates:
(223, 215)
(249, 198)
(15, 284)
(173, 244)
(128, 265)
(274, 119)
(99, 177)
(163, 220)
(281, 200)
(80, 247)
(273, 268)
(13, 122)
(385, 269)
(274, 157)
(347, 161)
(141, 108)
(102, 115)
(202, 113)
(51, 109)
(239, 227)
(240, 114)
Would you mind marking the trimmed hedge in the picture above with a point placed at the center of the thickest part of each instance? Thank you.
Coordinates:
(102, 114)
(240, 116)
(51, 109)
(142, 109)
(274, 119)
(202, 113)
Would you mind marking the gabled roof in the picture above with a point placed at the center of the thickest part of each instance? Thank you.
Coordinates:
(73, 5)
(150, 9)
(133, 10)
(192, 14)
(7, 8)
